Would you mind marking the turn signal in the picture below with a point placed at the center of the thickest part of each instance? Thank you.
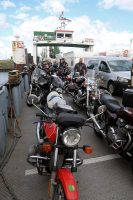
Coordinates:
(87, 149)
(46, 148)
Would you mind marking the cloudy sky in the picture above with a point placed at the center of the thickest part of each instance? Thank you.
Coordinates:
(108, 22)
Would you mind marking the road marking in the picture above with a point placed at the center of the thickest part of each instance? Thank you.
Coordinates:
(100, 159)
(31, 172)
(85, 162)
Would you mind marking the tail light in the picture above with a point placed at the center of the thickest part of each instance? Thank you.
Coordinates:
(87, 149)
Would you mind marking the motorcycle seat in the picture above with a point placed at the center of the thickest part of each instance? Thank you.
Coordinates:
(111, 103)
(70, 119)
(59, 108)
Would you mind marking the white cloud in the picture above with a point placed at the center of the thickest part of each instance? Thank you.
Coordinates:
(24, 8)
(5, 50)
(25, 30)
(56, 6)
(3, 21)
(122, 4)
(7, 4)
(82, 26)
(21, 16)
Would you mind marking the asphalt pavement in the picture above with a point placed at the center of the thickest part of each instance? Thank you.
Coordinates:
(104, 175)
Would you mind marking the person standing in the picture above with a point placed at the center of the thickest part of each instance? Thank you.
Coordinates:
(80, 67)
(63, 69)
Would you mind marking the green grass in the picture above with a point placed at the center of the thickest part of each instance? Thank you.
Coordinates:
(6, 64)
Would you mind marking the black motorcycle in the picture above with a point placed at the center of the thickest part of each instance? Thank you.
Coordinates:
(86, 95)
(114, 122)
(39, 86)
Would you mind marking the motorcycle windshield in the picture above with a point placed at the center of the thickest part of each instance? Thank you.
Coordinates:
(91, 77)
(56, 82)
(36, 73)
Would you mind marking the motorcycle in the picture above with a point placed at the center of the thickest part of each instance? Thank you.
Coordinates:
(114, 122)
(73, 84)
(39, 86)
(56, 152)
(86, 95)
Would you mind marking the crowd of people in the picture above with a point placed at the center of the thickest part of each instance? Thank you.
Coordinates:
(62, 69)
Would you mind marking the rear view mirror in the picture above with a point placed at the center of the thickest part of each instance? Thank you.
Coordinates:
(32, 99)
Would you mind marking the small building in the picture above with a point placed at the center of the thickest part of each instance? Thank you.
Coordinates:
(64, 35)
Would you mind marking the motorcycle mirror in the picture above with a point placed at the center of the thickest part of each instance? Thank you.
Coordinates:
(33, 99)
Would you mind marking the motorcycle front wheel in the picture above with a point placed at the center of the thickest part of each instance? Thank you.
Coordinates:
(59, 193)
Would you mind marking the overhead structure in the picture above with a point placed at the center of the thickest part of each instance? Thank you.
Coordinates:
(60, 37)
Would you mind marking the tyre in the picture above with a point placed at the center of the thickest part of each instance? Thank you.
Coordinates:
(59, 193)
(111, 88)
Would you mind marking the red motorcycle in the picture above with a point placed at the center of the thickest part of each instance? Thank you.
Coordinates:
(56, 153)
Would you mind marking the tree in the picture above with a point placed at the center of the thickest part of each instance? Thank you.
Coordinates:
(43, 53)
(53, 51)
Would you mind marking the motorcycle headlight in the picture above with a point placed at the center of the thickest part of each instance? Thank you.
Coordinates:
(122, 79)
(71, 137)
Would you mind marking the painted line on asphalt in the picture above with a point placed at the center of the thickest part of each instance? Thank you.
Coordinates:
(31, 172)
(100, 159)
(85, 162)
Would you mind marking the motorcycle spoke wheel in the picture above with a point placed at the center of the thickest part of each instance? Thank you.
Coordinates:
(59, 193)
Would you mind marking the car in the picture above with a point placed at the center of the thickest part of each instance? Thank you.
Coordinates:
(114, 73)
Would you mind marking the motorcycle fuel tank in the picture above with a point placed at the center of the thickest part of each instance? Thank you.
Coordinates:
(50, 131)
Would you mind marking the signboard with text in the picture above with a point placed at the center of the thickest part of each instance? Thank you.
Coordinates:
(43, 36)
(18, 52)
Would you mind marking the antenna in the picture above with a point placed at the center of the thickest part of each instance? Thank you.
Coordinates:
(63, 21)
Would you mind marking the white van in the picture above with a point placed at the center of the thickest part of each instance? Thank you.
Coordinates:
(114, 73)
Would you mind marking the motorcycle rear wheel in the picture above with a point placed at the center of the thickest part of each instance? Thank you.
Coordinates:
(59, 193)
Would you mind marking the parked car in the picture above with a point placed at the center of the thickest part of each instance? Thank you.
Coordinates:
(114, 73)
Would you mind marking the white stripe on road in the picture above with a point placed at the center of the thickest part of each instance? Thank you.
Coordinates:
(85, 162)
(100, 159)
(31, 172)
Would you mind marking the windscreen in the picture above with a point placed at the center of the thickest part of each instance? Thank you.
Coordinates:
(120, 65)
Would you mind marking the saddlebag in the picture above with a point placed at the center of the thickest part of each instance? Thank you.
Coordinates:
(69, 119)
(127, 99)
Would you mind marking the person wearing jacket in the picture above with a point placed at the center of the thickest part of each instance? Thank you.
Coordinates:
(63, 69)
(80, 67)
